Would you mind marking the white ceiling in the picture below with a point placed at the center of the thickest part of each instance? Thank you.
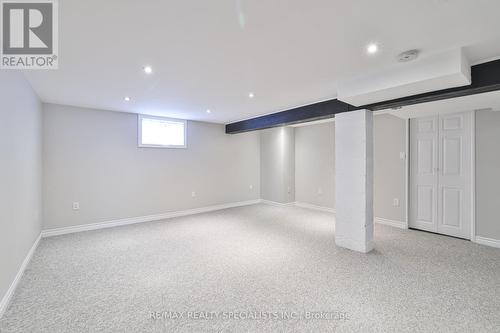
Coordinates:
(211, 54)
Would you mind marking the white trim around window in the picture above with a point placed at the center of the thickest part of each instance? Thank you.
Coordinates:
(177, 139)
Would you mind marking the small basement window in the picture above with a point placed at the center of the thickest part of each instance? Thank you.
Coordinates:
(160, 132)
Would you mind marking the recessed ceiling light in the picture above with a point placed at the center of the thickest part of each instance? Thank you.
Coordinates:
(127, 99)
(251, 95)
(372, 48)
(148, 69)
(208, 111)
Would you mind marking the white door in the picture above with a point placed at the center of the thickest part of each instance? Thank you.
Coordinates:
(440, 168)
(423, 170)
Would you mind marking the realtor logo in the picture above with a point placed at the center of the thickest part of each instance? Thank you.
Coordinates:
(29, 34)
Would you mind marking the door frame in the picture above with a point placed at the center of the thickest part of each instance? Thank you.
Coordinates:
(472, 172)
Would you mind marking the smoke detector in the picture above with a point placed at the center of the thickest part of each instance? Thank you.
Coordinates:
(408, 56)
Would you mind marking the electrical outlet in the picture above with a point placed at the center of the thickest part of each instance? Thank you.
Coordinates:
(402, 155)
(250, 187)
(76, 205)
(395, 202)
(193, 194)
(320, 191)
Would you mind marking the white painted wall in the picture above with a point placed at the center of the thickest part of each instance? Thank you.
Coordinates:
(91, 156)
(277, 168)
(20, 173)
(487, 174)
(389, 135)
(315, 164)
(314, 157)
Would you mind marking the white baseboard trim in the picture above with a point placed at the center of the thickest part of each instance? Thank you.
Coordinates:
(392, 223)
(315, 207)
(142, 219)
(278, 204)
(4, 303)
(488, 241)
(379, 220)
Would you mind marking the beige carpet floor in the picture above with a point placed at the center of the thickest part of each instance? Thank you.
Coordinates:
(255, 269)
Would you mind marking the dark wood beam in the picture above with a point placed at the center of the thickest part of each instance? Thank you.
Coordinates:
(316, 111)
(485, 78)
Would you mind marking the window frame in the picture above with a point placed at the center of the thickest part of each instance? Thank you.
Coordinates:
(139, 132)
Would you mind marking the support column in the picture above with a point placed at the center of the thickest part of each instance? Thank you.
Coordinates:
(354, 180)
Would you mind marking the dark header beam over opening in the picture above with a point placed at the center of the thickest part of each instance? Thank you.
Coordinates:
(316, 111)
(485, 78)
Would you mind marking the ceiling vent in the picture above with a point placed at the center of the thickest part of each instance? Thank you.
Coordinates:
(408, 56)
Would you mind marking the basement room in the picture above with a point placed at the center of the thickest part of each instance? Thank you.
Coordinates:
(249, 166)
